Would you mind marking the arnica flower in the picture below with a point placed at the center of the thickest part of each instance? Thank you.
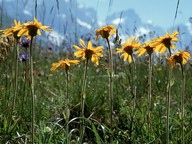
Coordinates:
(64, 64)
(127, 48)
(149, 47)
(105, 31)
(13, 30)
(164, 42)
(180, 57)
(88, 52)
(32, 28)
(23, 56)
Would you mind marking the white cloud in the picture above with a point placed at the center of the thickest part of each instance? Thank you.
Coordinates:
(149, 21)
(100, 23)
(27, 12)
(55, 38)
(189, 27)
(117, 21)
(84, 24)
(141, 31)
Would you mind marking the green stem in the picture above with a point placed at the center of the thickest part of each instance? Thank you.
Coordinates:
(149, 99)
(134, 86)
(32, 92)
(168, 105)
(182, 104)
(67, 105)
(16, 77)
(168, 100)
(133, 90)
(83, 95)
(110, 86)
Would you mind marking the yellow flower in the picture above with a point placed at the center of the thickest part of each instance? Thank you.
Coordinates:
(180, 57)
(13, 30)
(164, 42)
(88, 52)
(127, 48)
(64, 64)
(148, 47)
(32, 28)
(105, 31)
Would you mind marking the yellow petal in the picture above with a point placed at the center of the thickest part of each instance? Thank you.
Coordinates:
(38, 32)
(89, 45)
(22, 32)
(82, 43)
(77, 48)
(94, 59)
(129, 59)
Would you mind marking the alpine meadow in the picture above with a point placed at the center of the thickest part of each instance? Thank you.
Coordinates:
(66, 81)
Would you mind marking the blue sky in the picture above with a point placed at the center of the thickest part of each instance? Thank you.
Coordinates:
(159, 12)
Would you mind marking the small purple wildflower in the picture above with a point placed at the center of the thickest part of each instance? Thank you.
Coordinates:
(50, 47)
(24, 43)
(23, 56)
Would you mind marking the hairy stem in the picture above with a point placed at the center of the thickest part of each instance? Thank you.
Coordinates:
(83, 95)
(32, 92)
(149, 99)
(110, 86)
(182, 104)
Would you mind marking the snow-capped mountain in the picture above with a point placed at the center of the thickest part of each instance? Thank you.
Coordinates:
(71, 21)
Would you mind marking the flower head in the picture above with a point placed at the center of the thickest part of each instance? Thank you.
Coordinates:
(148, 47)
(180, 57)
(32, 28)
(105, 31)
(64, 64)
(13, 30)
(23, 56)
(127, 48)
(164, 42)
(88, 52)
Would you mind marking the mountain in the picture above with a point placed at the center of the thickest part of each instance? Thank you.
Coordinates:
(71, 21)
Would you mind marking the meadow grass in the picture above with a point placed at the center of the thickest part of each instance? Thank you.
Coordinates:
(133, 110)
(50, 89)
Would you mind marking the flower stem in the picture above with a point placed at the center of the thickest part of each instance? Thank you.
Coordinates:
(168, 100)
(168, 104)
(32, 92)
(134, 86)
(82, 127)
(110, 86)
(16, 78)
(67, 106)
(182, 104)
(149, 99)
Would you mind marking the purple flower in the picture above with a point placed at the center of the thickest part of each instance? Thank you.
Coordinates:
(24, 43)
(23, 56)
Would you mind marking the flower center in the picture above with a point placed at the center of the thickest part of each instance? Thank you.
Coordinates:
(178, 58)
(105, 34)
(129, 50)
(167, 42)
(149, 50)
(88, 53)
(32, 30)
(15, 35)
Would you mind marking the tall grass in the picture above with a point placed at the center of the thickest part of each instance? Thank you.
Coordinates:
(122, 125)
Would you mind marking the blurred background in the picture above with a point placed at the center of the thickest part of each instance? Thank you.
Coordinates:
(74, 19)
